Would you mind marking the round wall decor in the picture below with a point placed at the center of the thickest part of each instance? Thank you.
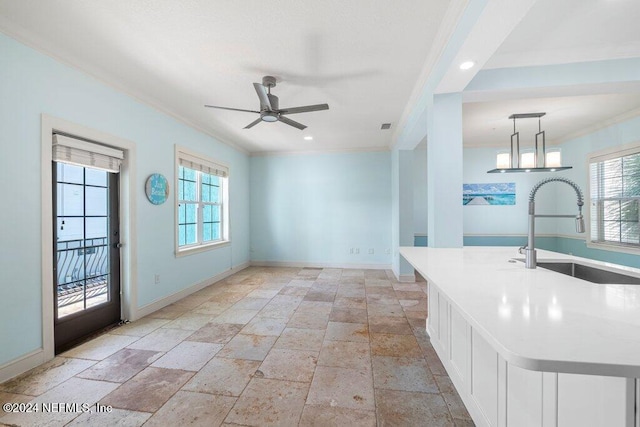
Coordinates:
(157, 189)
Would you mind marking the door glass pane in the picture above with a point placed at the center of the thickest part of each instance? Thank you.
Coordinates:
(70, 173)
(82, 243)
(96, 177)
(96, 199)
(70, 200)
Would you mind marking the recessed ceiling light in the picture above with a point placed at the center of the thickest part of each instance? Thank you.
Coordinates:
(467, 65)
(308, 138)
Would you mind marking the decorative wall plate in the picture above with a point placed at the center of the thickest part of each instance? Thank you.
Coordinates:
(157, 189)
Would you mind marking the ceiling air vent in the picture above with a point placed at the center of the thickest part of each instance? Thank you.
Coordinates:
(385, 126)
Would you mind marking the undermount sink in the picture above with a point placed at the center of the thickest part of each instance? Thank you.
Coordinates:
(590, 274)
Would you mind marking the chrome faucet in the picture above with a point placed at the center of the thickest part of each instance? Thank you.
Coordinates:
(529, 250)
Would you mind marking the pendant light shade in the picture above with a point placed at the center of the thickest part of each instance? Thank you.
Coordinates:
(528, 160)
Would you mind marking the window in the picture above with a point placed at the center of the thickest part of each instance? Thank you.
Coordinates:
(202, 202)
(614, 197)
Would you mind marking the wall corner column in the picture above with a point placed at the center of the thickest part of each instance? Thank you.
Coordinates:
(444, 171)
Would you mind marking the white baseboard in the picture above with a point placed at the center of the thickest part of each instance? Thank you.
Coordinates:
(170, 299)
(407, 278)
(320, 265)
(22, 364)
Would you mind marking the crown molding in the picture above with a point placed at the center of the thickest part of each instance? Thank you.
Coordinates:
(18, 34)
(309, 152)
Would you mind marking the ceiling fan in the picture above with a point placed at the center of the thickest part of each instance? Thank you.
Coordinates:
(270, 110)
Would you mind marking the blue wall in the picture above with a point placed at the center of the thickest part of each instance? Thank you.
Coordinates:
(32, 84)
(314, 208)
(507, 225)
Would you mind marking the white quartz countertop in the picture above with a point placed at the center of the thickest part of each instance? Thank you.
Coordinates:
(536, 318)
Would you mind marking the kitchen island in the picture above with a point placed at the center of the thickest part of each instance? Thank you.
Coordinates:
(532, 346)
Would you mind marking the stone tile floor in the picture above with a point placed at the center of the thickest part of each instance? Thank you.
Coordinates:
(266, 346)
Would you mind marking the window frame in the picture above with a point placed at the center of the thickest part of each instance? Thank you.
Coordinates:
(200, 245)
(600, 156)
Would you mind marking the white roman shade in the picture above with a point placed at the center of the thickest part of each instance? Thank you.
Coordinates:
(202, 165)
(86, 154)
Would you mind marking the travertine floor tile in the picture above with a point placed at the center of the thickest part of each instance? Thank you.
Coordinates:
(278, 310)
(251, 303)
(389, 325)
(73, 391)
(402, 408)
(161, 339)
(263, 293)
(300, 339)
(355, 332)
(344, 354)
(212, 308)
(333, 416)
(350, 302)
(452, 398)
(121, 366)
(403, 373)
(217, 333)
(378, 309)
(13, 398)
(189, 321)
(250, 347)
(187, 408)
(139, 328)
(346, 388)
(322, 296)
(116, 417)
(237, 316)
(302, 283)
(291, 365)
(268, 402)
(294, 290)
(101, 347)
(308, 320)
(169, 312)
(46, 376)
(227, 377)
(265, 326)
(265, 346)
(147, 391)
(394, 345)
(352, 272)
(348, 315)
(188, 356)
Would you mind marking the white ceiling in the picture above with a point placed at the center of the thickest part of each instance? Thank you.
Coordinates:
(557, 32)
(364, 58)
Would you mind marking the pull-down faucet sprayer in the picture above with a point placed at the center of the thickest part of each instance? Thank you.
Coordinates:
(529, 250)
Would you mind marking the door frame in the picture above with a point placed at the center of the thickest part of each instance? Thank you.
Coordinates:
(128, 191)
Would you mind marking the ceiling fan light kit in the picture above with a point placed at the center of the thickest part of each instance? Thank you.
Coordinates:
(528, 160)
(270, 110)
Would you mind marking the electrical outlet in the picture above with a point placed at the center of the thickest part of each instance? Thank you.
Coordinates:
(370, 251)
(388, 251)
(357, 251)
(351, 251)
(156, 278)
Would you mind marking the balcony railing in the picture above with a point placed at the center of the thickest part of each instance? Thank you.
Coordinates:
(82, 270)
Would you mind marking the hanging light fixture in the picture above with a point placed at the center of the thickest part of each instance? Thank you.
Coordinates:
(528, 160)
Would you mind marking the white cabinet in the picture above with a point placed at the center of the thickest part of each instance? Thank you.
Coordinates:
(497, 393)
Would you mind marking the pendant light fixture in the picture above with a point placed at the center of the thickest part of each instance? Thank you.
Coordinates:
(528, 160)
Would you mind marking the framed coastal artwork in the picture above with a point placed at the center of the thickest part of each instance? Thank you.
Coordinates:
(501, 193)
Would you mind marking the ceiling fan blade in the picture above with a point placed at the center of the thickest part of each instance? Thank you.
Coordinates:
(253, 123)
(232, 109)
(305, 109)
(291, 123)
(262, 94)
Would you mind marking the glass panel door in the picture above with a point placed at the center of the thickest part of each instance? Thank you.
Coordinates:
(87, 288)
